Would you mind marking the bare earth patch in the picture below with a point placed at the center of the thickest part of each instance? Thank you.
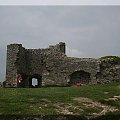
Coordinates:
(82, 105)
(114, 98)
(90, 103)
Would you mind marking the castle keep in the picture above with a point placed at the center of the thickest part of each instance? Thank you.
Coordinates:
(51, 67)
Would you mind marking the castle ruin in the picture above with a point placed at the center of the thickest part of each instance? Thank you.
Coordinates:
(51, 67)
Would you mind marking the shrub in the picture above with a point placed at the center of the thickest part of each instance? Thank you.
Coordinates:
(114, 59)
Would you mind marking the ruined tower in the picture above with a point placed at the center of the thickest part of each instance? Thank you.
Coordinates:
(29, 63)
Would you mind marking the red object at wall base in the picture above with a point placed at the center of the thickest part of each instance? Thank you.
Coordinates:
(19, 77)
(78, 84)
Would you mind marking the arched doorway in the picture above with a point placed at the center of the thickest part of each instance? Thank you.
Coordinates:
(80, 76)
(35, 81)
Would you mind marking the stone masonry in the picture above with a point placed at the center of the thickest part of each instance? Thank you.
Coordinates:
(51, 67)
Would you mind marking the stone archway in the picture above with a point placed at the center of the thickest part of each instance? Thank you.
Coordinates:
(80, 76)
(39, 81)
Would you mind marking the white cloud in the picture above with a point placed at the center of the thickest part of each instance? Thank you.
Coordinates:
(74, 52)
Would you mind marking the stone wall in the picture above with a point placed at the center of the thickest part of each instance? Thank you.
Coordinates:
(58, 71)
(109, 71)
(51, 66)
(11, 65)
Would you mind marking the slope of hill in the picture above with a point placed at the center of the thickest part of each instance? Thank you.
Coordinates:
(90, 101)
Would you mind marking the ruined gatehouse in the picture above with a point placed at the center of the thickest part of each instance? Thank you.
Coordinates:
(51, 67)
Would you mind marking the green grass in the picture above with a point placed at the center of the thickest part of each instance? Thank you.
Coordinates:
(40, 101)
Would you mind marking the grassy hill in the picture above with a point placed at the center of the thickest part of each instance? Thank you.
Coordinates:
(88, 100)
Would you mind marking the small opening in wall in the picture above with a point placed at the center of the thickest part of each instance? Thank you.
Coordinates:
(34, 82)
(9, 84)
(48, 70)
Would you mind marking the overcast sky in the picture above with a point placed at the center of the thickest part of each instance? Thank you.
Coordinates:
(60, 2)
(88, 31)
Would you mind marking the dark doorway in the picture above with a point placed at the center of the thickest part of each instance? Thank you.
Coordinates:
(80, 76)
(35, 81)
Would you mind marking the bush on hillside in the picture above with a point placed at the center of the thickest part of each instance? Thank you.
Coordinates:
(115, 59)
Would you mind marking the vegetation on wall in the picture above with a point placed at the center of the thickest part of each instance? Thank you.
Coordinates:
(115, 59)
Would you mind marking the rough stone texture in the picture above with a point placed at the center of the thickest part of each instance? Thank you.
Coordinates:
(52, 67)
(109, 71)
(11, 71)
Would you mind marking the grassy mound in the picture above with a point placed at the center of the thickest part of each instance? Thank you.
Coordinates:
(58, 100)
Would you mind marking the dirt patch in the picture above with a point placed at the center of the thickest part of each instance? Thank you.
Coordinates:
(117, 97)
(90, 103)
(81, 105)
(45, 100)
(114, 98)
(83, 100)
(68, 109)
